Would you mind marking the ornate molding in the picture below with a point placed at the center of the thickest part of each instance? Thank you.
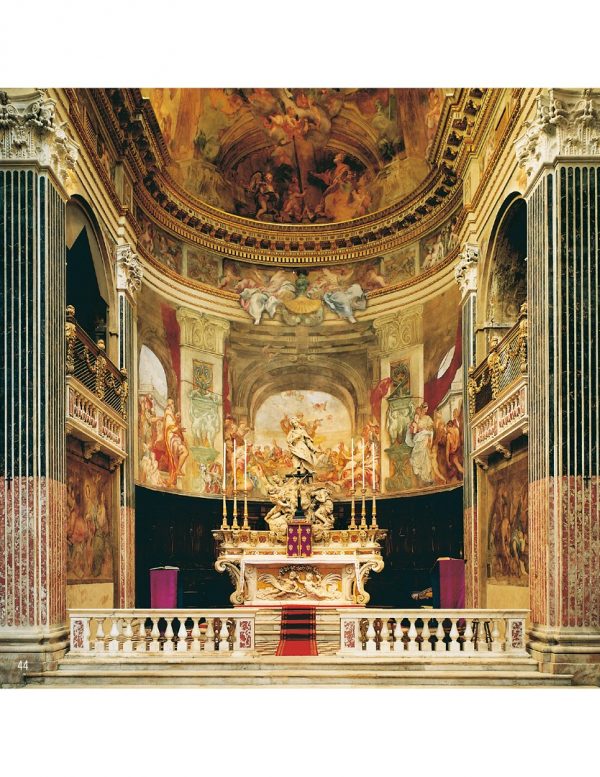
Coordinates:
(465, 272)
(201, 331)
(129, 271)
(29, 133)
(567, 123)
(399, 330)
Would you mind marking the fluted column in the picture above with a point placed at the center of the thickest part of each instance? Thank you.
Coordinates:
(35, 157)
(466, 276)
(561, 154)
(129, 281)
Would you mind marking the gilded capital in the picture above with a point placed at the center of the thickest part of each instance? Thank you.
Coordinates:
(129, 271)
(29, 132)
(465, 271)
(566, 123)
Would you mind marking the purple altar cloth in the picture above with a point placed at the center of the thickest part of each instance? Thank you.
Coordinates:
(452, 583)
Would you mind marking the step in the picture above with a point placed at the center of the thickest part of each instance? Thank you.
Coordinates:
(297, 677)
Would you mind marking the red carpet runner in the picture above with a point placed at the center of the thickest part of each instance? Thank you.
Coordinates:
(298, 631)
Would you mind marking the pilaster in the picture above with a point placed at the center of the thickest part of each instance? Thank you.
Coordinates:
(35, 158)
(560, 152)
(466, 274)
(129, 275)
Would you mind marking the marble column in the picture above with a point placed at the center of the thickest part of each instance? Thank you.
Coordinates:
(35, 158)
(129, 281)
(466, 276)
(560, 152)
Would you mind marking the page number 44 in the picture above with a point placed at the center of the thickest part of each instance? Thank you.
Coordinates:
(23, 666)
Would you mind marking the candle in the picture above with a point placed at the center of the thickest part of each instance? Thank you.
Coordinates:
(352, 456)
(234, 469)
(245, 463)
(363, 464)
(373, 459)
(224, 465)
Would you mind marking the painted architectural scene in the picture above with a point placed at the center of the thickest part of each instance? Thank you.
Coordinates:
(282, 155)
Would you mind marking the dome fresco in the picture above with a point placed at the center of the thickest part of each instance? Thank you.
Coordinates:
(298, 155)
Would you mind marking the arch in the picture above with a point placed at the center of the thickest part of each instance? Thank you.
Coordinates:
(149, 338)
(504, 283)
(90, 285)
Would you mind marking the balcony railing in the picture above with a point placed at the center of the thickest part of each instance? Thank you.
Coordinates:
(97, 394)
(436, 633)
(498, 394)
(505, 364)
(160, 632)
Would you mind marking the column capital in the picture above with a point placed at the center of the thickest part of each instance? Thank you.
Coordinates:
(201, 331)
(566, 123)
(399, 330)
(466, 271)
(29, 133)
(129, 271)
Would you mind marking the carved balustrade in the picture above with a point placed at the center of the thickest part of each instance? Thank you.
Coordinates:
(153, 632)
(497, 391)
(438, 634)
(97, 394)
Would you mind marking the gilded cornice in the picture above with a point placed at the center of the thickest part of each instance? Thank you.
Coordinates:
(131, 124)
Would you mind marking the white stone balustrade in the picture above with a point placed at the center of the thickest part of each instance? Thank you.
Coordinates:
(438, 633)
(91, 420)
(502, 420)
(176, 632)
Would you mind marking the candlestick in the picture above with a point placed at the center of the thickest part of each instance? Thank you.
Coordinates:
(352, 457)
(224, 521)
(245, 523)
(363, 463)
(234, 523)
(373, 480)
(363, 510)
(352, 505)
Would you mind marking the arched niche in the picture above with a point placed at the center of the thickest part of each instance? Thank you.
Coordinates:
(89, 278)
(505, 283)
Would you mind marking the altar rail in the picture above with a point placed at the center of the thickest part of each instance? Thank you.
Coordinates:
(405, 633)
(152, 632)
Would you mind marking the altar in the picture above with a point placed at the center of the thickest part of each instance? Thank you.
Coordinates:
(301, 559)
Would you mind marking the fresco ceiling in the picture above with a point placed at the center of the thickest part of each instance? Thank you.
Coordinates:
(298, 155)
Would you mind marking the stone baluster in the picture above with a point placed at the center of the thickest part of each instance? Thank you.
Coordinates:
(496, 645)
(99, 642)
(168, 645)
(413, 645)
(182, 636)
(425, 634)
(440, 645)
(384, 645)
(468, 644)
(196, 645)
(371, 644)
(209, 643)
(479, 635)
(454, 645)
(224, 635)
(398, 643)
(128, 634)
(141, 645)
(155, 635)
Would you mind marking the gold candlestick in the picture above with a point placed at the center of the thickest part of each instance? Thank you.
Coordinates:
(224, 521)
(374, 513)
(363, 510)
(234, 523)
(245, 525)
(352, 512)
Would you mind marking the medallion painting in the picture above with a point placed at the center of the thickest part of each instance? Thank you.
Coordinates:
(89, 523)
(298, 155)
